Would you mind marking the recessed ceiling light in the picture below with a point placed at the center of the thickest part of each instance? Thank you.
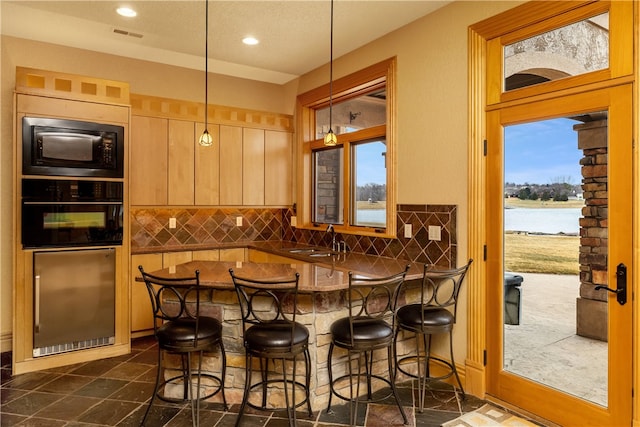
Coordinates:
(126, 11)
(250, 40)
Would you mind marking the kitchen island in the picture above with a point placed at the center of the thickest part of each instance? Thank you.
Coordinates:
(322, 300)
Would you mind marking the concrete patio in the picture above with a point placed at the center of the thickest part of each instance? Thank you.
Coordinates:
(544, 347)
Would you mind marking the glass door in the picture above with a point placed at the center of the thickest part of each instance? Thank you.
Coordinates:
(561, 253)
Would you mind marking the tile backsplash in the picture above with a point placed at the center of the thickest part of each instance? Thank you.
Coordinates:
(204, 226)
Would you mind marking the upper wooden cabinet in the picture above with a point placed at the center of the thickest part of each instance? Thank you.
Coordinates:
(278, 159)
(249, 164)
(207, 172)
(149, 161)
(253, 166)
(181, 163)
(230, 165)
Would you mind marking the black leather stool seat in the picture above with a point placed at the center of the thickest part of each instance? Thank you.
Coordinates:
(179, 335)
(270, 337)
(367, 333)
(417, 317)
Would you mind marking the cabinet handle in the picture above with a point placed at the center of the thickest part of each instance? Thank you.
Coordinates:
(37, 304)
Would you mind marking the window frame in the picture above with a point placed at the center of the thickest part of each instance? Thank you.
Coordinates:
(374, 77)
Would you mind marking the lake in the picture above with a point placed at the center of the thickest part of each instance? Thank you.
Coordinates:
(552, 220)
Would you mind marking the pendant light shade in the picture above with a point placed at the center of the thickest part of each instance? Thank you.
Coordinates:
(205, 139)
(330, 139)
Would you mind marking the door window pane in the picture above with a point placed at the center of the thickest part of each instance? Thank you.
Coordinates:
(555, 253)
(575, 49)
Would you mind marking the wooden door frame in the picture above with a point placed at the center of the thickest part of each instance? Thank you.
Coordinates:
(478, 35)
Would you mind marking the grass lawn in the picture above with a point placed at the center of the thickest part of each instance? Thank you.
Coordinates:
(532, 253)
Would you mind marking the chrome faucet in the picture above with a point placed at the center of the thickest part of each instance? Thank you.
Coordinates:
(334, 244)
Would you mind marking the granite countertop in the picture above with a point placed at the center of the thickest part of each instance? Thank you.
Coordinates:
(321, 274)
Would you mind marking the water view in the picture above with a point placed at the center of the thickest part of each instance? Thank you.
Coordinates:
(552, 221)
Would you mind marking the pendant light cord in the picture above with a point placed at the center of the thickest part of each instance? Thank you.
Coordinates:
(331, 74)
(206, 65)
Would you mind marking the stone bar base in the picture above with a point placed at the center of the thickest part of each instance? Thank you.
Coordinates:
(317, 311)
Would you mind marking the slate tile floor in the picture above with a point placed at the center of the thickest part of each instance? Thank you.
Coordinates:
(113, 392)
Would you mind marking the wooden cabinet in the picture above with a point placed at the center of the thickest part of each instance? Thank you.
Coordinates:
(253, 167)
(149, 161)
(265, 257)
(181, 162)
(230, 165)
(278, 160)
(245, 166)
(207, 168)
(235, 254)
(141, 312)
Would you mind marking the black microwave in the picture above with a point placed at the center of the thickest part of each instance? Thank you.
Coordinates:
(57, 147)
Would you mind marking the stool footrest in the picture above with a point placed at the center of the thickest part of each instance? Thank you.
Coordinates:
(217, 387)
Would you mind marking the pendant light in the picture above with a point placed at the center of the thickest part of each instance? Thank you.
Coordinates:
(330, 138)
(205, 139)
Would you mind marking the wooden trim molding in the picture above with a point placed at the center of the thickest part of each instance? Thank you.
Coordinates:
(154, 106)
(476, 305)
(71, 86)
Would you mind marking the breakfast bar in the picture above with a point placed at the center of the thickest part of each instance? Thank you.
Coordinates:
(322, 300)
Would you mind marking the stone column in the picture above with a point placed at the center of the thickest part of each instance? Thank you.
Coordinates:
(591, 305)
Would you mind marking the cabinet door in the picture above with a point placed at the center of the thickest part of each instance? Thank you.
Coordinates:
(149, 151)
(278, 161)
(235, 254)
(181, 162)
(230, 165)
(252, 167)
(170, 259)
(141, 312)
(265, 257)
(207, 173)
(210, 255)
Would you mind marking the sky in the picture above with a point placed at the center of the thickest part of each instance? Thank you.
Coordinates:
(370, 169)
(541, 152)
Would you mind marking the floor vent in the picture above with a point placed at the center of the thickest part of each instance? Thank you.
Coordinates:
(76, 345)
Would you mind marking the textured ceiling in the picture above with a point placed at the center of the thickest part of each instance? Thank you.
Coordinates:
(294, 35)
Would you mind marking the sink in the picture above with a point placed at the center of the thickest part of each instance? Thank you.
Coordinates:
(320, 254)
(311, 252)
(305, 250)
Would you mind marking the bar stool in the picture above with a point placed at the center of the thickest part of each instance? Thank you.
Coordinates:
(439, 291)
(271, 333)
(371, 302)
(179, 329)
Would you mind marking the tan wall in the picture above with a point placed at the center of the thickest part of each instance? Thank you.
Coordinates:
(431, 123)
(432, 112)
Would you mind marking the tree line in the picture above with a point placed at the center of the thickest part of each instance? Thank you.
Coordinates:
(558, 191)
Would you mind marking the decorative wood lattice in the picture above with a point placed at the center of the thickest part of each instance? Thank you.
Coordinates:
(152, 106)
(71, 86)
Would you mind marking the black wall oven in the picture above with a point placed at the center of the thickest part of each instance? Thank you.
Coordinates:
(64, 213)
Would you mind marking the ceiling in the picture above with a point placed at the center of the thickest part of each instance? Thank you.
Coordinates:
(294, 35)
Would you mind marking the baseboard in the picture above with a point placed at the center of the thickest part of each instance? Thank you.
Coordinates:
(6, 342)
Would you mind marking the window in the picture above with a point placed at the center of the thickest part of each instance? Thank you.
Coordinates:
(350, 185)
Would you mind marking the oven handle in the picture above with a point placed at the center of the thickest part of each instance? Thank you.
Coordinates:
(72, 203)
(37, 304)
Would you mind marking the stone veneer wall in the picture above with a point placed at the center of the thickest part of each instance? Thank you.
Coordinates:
(591, 306)
(210, 226)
